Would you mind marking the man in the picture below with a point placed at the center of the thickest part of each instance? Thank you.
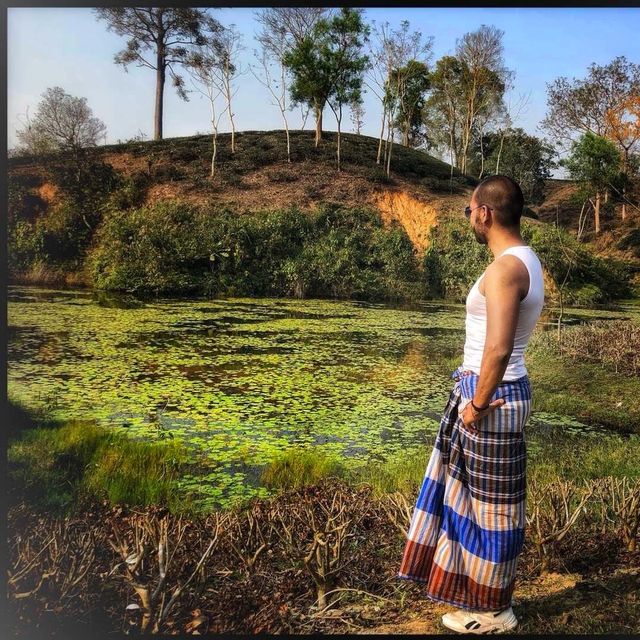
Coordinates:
(467, 528)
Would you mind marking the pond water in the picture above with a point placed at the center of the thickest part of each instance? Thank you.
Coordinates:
(243, 379)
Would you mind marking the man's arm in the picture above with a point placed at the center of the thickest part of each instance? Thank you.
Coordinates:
(502, 294)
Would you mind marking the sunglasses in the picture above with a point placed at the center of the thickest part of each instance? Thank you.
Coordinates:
(468, 210)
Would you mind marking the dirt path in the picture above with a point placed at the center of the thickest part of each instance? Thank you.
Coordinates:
(425, 618)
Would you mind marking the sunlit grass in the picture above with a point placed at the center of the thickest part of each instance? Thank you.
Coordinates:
(62, 467)
(299, 467)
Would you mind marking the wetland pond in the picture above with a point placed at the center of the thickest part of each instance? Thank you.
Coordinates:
(240, 380)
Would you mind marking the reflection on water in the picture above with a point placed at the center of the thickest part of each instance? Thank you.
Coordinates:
(240, 380)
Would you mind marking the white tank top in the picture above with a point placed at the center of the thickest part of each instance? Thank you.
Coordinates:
(530, 308)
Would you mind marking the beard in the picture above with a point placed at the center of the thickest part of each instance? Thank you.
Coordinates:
(480, 237)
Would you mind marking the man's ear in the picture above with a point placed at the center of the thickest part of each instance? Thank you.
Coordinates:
(487, 216)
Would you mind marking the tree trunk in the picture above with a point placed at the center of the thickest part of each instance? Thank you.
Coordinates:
(231, 122)
(286, 128)
(318, 111)
(405, 134)
(624, 186)
(213, 155)
(390, 138)
(160, 78)
(384, 114)
(500, 152)
(597, 212)
(338, 148)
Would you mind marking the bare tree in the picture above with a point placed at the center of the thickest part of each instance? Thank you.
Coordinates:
(357, 116)
(581, 106)
(228, 69)
(389, 50)
(203, 67)
(273, 40)
(166, 34)
(481, 53)
(61, 122)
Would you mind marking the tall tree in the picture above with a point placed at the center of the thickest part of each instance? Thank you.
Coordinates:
(341, 40)
(595, 162)
(622, 125)
(298, 25)
(227, 65)
(444, 108)
(274, 41)
(484, 78)
(580, 106)
(391, 50)
(411, 82)
(159, 39)
(61, 123)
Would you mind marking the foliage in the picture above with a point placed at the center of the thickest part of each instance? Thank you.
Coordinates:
(61, 468)
(594, 161)
(523, 157)
(581, 106)
(61, 123)
(335, 252)
(454, 260)
(591, 280)
(299, 467)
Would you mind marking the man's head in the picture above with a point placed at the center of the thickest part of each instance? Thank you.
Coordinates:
(496, 206)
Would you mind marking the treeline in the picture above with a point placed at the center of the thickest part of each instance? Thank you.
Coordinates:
(462, 106)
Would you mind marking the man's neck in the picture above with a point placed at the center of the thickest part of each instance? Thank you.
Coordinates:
(503, 242)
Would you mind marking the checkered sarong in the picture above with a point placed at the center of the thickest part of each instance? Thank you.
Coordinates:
(467, 527)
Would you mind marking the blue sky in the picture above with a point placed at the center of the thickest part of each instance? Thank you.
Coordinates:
(68, 47)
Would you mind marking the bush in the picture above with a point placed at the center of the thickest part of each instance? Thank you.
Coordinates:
(454, 260)
(159, 248)
(175, 247)
(592, 280)
(615, 344)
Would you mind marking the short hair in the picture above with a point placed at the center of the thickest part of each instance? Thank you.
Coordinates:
(503, 194)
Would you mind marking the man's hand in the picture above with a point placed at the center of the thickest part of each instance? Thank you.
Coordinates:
(469, 416)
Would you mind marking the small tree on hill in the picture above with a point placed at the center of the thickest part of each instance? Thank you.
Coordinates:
(61, 123)
(594, 161)
(342, 38)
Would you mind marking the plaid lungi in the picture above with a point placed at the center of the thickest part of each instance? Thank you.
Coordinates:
(467, 527)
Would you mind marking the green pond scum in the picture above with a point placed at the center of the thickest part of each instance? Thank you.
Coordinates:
(241, 383)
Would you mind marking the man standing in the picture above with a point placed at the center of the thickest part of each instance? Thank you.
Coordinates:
(467, 528)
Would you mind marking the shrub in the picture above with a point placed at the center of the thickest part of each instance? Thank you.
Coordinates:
(591, 280)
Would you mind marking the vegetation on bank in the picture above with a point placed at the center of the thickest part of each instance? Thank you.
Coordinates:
(455, 259)
(333, 252)
(75, 464)
(100, 230)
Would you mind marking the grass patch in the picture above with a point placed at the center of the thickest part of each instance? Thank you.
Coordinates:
(402, 472)
(299, 467)
(578, 458)
(588, 392)
(61, 468)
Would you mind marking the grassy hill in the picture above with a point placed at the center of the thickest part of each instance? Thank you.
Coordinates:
(59, 218)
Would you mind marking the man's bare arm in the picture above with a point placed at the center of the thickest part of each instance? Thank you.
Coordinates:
(502, 294)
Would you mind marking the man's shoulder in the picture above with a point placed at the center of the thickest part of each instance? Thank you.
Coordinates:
(508, 270)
